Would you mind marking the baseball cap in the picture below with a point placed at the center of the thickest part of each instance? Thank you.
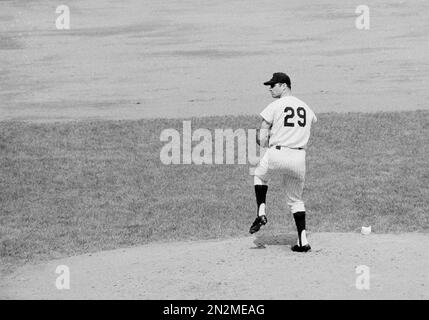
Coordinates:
(278, 77)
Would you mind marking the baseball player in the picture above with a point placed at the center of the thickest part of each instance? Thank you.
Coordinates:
(285, 130)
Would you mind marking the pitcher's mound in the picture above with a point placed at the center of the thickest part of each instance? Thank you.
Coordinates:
(398, 268)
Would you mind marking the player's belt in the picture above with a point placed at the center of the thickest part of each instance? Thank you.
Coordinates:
(279, 147)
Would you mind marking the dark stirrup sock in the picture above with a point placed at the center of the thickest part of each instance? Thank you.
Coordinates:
(261, 193)
(300, 223)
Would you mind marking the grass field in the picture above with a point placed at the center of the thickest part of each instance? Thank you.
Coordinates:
(76, 187)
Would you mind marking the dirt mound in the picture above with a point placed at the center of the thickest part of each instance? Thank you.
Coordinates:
(261, 267)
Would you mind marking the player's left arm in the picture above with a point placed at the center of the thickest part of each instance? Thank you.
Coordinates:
(262, 137)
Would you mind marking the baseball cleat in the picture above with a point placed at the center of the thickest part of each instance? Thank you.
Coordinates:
(297, 248)
(258, 223)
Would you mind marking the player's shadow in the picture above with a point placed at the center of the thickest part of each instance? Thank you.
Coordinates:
(274, 239)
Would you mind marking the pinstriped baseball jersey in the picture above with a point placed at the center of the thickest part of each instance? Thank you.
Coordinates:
(291, 121)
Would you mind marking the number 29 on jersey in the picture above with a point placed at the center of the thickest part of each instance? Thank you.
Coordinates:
(290, 115)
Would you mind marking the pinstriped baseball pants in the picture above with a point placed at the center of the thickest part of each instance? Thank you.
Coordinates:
(291, 164)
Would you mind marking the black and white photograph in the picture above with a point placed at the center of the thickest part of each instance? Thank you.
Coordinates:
(236, 152)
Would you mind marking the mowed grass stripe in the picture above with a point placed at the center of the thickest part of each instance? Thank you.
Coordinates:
(77, 187)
